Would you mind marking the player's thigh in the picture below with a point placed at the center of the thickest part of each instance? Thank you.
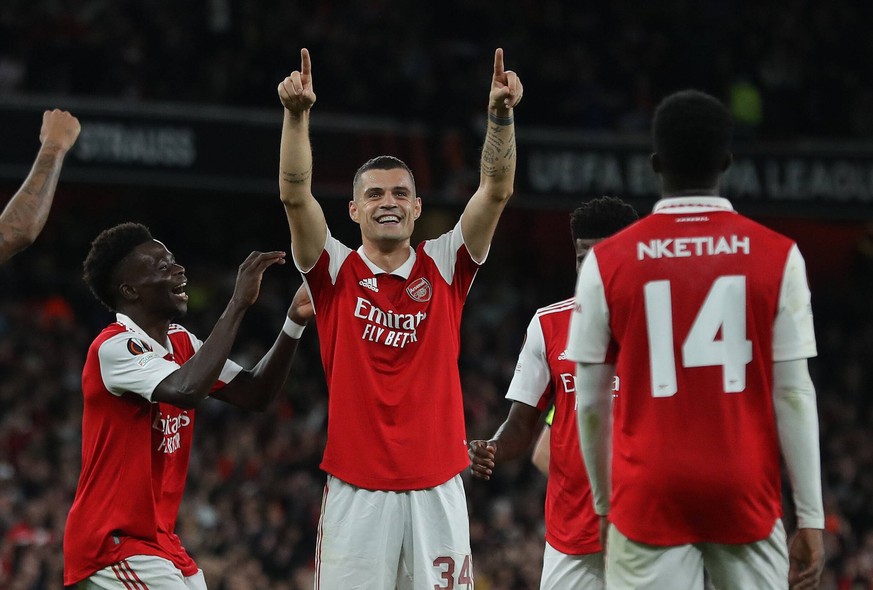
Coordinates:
(141, 571)
(436, 550)
(359, 537)
(580, 572)
(638, 566)
(752, 565)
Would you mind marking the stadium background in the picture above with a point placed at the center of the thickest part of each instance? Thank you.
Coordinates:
(180, 131)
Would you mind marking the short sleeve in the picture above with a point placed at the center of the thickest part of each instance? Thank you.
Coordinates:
(590, 335)
(126, 364)
(532, 376)
(793, 331)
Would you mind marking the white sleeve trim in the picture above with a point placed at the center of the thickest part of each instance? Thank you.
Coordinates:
(532, 373)
(122, 371)
(589, 336)
(793, 332)
(797, 424)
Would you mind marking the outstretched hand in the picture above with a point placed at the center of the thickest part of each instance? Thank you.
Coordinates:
(506, 87)
(805, 559)
(296, 91)
(481, 454)
(248, 278)
(59, 128)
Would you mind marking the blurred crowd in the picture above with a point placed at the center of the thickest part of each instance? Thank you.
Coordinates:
(251, 507)
(586, 66)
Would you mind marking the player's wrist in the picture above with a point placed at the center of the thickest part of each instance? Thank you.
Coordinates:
(293, 329)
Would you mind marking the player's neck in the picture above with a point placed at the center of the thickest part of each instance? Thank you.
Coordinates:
(155, 327)
(690, 192)
(389, 256)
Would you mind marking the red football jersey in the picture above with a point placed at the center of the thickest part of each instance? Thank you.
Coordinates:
(544, 375)
(700, 302)
(390, 346)
(134, 452)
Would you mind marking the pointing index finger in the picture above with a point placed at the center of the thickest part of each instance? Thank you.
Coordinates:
(498, 62)
(305, 63)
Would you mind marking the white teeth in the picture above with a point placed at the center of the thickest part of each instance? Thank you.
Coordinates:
(388, 218)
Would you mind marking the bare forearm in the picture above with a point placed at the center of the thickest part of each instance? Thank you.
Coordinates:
(295, 159)
(498, 160)
(512, 439)
(26, 213)
(256, 389)
(192, 383)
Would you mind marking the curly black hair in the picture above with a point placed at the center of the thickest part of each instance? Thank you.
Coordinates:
(600, 218)
(691, 132)
(108, 249)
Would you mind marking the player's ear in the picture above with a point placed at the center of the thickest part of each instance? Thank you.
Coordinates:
(128, 292)
(416, 211)
(353, 211)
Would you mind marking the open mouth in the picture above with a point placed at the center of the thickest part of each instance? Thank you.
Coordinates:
(180, 291)
(389, 219)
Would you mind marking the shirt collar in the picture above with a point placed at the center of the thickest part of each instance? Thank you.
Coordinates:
(403, 271)
(162, 349)
(692, 205)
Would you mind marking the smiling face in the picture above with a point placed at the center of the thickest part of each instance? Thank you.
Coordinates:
(385, 206)
(151, 280)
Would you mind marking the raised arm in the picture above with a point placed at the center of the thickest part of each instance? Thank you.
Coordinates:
(305, 216)
(255, 389)
(497, 165)
(192, 382)
(25, 215)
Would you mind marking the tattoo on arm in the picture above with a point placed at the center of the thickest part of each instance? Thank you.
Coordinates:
(498, 153)
(297, 177)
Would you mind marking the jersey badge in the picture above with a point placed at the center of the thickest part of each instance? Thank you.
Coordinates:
(420, 290)
(136, 347)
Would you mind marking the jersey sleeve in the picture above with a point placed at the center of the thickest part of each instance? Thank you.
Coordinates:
(127, 365)
(530, 383)
(793, 333)
(590, 335)
(445, 250)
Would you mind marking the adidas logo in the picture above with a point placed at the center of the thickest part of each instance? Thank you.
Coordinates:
(562, 356)
(370, 284)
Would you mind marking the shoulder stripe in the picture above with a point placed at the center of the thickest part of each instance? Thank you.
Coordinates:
(556, 307)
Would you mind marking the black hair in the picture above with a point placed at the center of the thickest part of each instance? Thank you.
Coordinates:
(600, 218)
(108, 249)
(691, 132)
(381, 163)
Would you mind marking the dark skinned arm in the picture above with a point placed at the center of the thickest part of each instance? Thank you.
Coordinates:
(188, 386)
(511, 440)
(256, 389)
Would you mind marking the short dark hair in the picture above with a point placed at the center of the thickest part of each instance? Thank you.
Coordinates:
(691, 132)
(600, 218)
(381, 163)
(108, 249)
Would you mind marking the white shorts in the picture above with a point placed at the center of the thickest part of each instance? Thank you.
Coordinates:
(763, 564)
(382, 540)
(579, 572)
(142, 572)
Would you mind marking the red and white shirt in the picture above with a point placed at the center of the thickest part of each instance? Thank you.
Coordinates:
(543, 376)
(700, 302)
(389, 346)
(134, 452)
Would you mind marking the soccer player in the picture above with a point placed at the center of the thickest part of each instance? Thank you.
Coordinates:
(143, 378)
(573, 556)
(710, 315)
(26, 212)
(394, 510)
